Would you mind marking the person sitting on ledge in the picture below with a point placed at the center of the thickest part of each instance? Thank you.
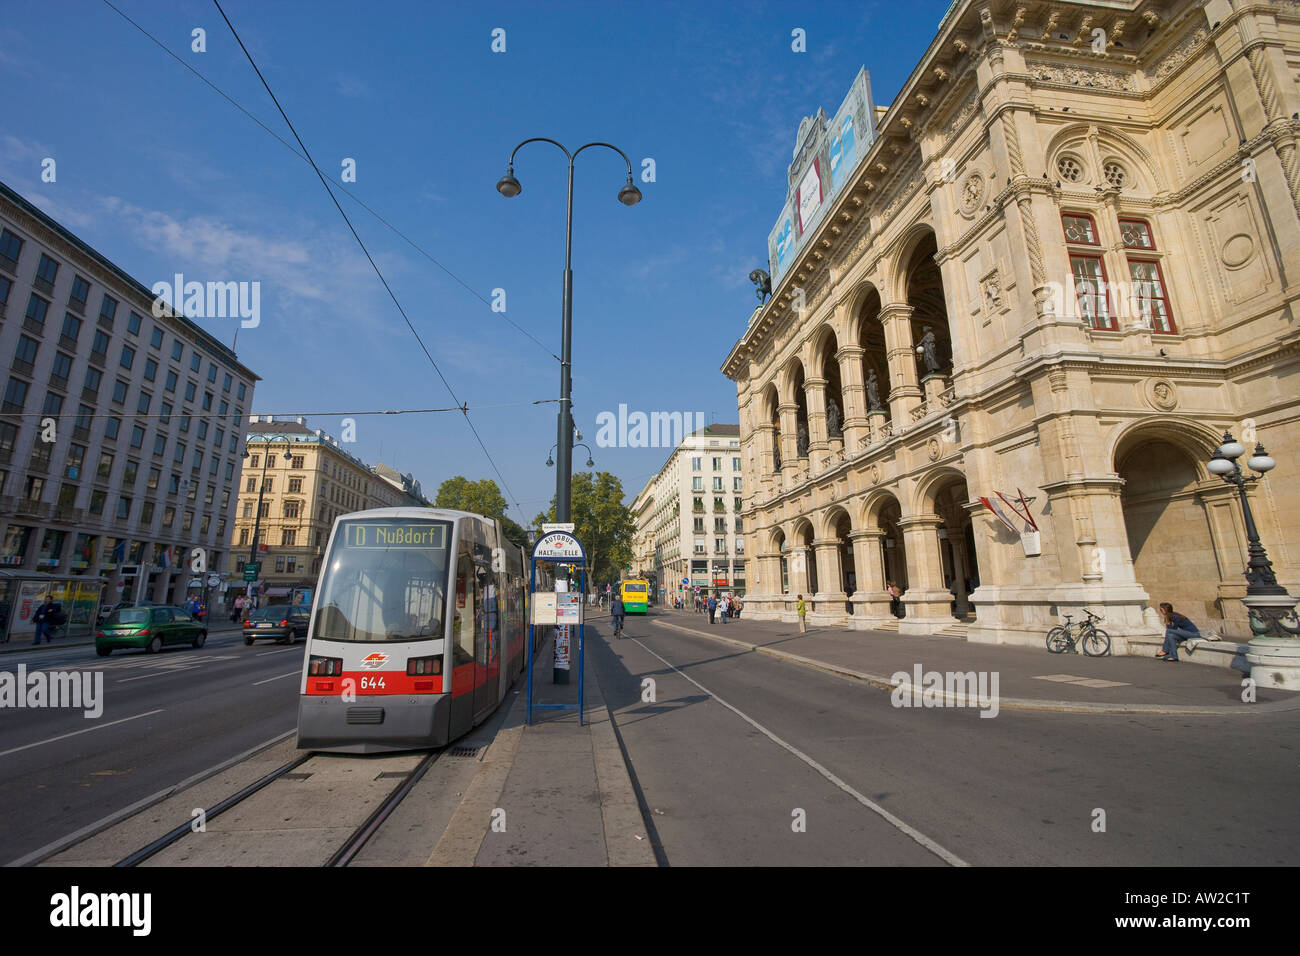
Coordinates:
(1177, 630)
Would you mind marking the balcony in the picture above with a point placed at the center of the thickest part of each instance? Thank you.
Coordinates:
(41, 284)
(31, 325)
(9, 265)
(77, 305)
(65, 341)
(37, 509)
(68, 515)
(90, 395)
(22, 368)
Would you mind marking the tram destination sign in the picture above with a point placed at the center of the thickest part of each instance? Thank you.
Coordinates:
(558, 544)
(383, 535)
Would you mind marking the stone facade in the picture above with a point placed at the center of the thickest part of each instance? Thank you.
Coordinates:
(1094, 213)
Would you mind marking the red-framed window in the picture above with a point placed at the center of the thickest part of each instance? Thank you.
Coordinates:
(1136, 234)
(1149, 297)
(1091, 291)
(1079, 229)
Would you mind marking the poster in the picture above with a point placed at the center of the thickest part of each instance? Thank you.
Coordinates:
(568, 609)
(810, 196)
(562, 648)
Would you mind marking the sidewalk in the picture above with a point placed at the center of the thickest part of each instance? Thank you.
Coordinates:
(23, 643)
(1028, 679)
(555, 793)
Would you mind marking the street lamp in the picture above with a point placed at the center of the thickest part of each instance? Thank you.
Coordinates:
(629, 195)
(550, 462)
(261, 491)
(1274, 651)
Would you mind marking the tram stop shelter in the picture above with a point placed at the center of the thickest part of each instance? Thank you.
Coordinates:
(22, 592)
(561, 609)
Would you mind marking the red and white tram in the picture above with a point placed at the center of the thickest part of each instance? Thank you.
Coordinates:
(417, 631)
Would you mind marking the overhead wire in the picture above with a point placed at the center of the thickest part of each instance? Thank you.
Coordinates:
(324, 182)
(307, 159)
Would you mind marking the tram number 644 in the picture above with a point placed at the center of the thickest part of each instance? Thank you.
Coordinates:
(372, 683)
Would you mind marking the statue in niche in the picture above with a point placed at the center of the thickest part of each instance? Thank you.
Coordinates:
(801, 440)
(928, 347)
(873, 392)
(833, 419)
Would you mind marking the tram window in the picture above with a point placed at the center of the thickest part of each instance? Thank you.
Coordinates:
(467, 604)
(382, 594)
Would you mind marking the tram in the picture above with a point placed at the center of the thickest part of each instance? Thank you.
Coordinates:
(418, 629)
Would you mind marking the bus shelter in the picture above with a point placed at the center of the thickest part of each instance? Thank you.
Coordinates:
(561, 609)
(22, 592)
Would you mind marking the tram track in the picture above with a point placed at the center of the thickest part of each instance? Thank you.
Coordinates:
(343, 856)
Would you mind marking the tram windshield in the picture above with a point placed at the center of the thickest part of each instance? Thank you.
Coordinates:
(386, 580)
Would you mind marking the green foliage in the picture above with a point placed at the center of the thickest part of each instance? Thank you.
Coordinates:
(600, 522)
(481, 497)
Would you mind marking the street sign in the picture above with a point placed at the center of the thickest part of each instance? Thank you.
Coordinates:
(560, 526)
(195, 583)
(252, 571)
(214, 580)
(558, 544)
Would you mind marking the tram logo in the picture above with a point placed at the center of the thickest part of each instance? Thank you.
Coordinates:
(374, 661)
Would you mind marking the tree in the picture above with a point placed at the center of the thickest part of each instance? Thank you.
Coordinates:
(600, 522)
(481, 497)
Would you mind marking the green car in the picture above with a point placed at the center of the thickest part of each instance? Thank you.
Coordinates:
(150, 628)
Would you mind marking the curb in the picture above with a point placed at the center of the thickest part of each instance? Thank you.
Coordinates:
(1008, 703)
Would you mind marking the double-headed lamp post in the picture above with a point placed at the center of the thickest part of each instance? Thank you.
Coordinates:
(629, 195)
(261, 490)
(1274, 653)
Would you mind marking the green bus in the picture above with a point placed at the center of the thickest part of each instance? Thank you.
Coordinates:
(635, 595)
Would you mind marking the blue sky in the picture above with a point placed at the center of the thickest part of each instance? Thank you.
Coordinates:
(162, 175)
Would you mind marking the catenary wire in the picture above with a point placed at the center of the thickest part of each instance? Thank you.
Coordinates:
(324, 182)
(289, 146)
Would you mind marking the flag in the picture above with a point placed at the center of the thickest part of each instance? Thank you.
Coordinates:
(164, 557)
(88, 551)
(119, 552)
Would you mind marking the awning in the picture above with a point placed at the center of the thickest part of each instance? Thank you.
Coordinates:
(278, 592)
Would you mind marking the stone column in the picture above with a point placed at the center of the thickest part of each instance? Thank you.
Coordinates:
(853, 389)
(798, 559)
(766, 473)
(870, 600)
(789, 412)
(900, 352)
(927, 601)
(830, 597)
(814, 390)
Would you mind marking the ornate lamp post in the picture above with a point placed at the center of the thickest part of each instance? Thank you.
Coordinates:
(1274, 653)
(550, 462)
(629, 195)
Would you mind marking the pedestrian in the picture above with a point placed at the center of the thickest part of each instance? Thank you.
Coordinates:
(712, 605)
(725, 607)
(1177, 630)
(802, 610)
(895, 605)
(616, 614)
(44, 621)
(740, 606)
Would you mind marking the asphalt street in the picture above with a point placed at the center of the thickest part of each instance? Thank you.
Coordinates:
(166, 717)
(735, 744)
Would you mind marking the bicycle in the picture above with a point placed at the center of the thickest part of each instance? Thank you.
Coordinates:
(1095, 641)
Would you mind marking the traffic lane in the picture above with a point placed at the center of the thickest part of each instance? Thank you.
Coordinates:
(721, 793)
(185, 721)
(1024, 787)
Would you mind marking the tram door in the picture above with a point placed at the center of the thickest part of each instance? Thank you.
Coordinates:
(469, 632)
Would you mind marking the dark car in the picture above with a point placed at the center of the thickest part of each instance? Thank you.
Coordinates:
(282, 622)
(150, 628)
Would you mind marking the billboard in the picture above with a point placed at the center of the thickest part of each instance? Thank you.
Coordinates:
(827, 151)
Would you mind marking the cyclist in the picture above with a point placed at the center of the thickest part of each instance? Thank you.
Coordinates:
(616, 612)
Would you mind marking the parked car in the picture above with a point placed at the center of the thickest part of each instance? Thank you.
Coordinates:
(282, 622)
(106, 610)
(151, 628)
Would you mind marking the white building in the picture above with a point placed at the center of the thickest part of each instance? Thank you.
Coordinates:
(688, 521)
